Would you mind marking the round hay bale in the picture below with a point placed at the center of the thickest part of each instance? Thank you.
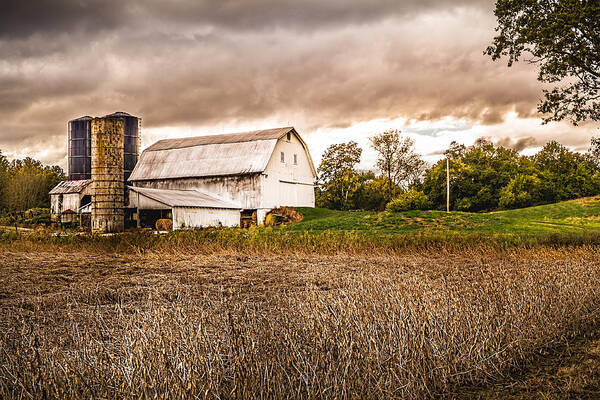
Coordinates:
(164, 225)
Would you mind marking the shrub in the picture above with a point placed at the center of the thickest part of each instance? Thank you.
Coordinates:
(37, 212)
(410, 200)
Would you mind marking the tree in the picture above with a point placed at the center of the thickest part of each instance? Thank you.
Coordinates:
(372, 193)
(564, 174)
(27, 184)
(594, 151)
(563, 38)
(3, 179)
(397, 160)
(477, 175)
(338, 179)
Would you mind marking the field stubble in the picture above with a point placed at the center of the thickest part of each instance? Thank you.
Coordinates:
(88, 324)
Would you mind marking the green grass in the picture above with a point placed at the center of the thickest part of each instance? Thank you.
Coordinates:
(573, 216)
(571, 223)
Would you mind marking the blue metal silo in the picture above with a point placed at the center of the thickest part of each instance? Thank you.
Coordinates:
(79, 151)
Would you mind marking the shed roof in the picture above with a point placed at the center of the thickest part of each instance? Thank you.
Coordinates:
(213, 155)
(66, 187)
(184, 198)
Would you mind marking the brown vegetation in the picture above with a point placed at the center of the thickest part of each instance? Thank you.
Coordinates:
(88, 324)
(164, 224)
(282, 215)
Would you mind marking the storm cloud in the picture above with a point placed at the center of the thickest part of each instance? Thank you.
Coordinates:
(313, 64)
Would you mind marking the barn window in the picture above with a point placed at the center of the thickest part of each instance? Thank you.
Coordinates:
(282, 157)
(289, 136)
(295, 159)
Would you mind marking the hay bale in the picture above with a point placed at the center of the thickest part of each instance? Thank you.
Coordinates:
(164, 224)
(283, 215)
(270, 220)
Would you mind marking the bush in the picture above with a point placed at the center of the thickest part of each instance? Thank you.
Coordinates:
(37, 212)
(6, 221)
(410, 200)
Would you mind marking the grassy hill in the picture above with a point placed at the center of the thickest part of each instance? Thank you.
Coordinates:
(566, 217)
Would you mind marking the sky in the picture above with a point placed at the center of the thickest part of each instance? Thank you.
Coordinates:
(336, 70)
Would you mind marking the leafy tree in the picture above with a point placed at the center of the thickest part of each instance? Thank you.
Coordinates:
(372, 193)
(562, 37)
(3, 179)
(566, 175)
(522, 191)
(27, 184)
(456, 151)
(338, 179)
(476, 177)
(594, 151)
(397, 160)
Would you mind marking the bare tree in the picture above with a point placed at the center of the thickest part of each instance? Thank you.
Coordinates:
(397, 161)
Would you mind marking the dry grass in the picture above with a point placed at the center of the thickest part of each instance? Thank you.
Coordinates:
(92, 325)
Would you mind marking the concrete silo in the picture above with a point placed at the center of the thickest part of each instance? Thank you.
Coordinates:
(108, 185)
(131, 140)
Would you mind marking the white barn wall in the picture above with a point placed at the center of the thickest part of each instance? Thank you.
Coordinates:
(191, 217)
(244, 190)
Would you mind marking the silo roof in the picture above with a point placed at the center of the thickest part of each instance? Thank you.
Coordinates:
(214, 155)
(84, 118)
(185, 198)
(118, 114)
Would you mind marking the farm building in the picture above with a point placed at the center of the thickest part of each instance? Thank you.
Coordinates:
(214, 180)
(203, 181)
(71, 200)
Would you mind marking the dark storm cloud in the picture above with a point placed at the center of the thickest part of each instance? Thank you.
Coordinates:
(21, 18)
(518, 144)
(313, 63)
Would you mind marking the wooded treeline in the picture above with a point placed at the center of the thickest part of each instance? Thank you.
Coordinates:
(24, 184)
(483, 177)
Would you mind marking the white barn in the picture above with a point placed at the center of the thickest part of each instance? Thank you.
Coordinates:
(247, 172)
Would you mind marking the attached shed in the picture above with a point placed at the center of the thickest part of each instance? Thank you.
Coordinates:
(69, 199)
(190, 209)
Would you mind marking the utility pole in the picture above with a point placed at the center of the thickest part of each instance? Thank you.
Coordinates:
(447, 185)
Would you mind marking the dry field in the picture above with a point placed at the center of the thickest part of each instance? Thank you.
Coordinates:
(96, 325)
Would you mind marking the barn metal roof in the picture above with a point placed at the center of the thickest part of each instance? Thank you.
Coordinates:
(214, 155)
(66, 187)
(265, 134)
(184, 198)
